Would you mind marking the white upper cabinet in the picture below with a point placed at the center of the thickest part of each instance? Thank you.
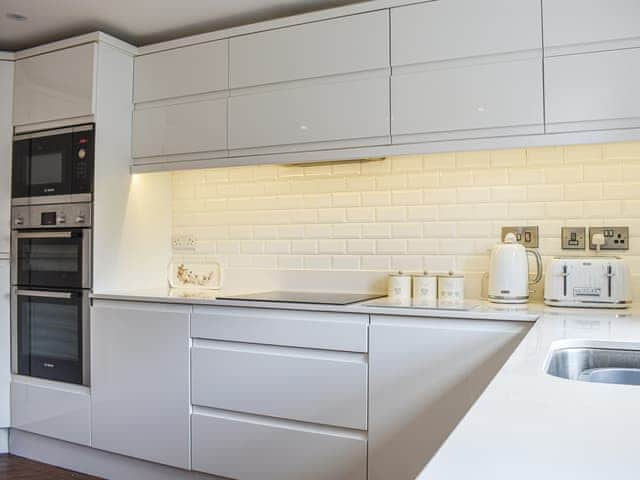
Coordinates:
(311, 87)
(183, 71)
(572, 26)
(466, 69)
(593, 91)
(450, 29)
(332, 47)
(55, 86)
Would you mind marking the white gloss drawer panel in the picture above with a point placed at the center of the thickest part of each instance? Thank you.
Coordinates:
(468, 99)
(246, 447)
(311, 114)
(44, 408)
(449, 29)
(571, 26)
(180, 128)
(295, 328)
(331, 47)
(315, 386)
(593, 91)
(183, 71)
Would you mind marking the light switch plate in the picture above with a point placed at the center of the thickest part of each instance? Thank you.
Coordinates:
(526, 236)
(615, 238)
(574, 238)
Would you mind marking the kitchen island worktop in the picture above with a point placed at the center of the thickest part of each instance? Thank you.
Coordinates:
(529, 425)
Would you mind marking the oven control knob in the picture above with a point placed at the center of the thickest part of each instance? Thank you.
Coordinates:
(61, 219)
(82, 153)
(80, 219)
(19, 221)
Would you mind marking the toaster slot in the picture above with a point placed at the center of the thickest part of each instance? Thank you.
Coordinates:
(565, 274)
(609, 278)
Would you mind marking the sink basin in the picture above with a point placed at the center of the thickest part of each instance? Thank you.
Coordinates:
(596, 365)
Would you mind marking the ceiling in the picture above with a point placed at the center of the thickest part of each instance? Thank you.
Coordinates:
(139, 22)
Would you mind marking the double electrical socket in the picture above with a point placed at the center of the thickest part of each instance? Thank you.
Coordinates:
(526, 236)
(615, 238)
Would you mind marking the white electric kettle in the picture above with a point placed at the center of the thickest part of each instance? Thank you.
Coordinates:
(509, 272)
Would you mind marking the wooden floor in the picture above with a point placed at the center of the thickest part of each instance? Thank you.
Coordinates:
(18, 468)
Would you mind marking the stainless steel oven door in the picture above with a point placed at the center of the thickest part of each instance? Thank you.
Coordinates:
(52, 258)
(50, 334)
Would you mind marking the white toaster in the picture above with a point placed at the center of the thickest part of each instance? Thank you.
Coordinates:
(596, 282)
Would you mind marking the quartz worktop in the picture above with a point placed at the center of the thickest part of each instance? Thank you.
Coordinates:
(480, 310)
(529, 425)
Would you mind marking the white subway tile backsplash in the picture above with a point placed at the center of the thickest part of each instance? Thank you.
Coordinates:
(437, 212)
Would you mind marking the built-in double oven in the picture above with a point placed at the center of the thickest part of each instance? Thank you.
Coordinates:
(51, 255)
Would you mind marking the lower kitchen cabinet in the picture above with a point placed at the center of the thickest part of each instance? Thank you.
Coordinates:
(425, 374)
(140, 381)
(246, 447)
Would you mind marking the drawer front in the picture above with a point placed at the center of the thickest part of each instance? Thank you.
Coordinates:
(252, 448)
(331, 47)
(182, 128)
(163, 75)
(310, 113)
(444, 30)
(470, 97)
(595, 87)
(52, 412)
(294, 328)
(573, 22)
(328, 388)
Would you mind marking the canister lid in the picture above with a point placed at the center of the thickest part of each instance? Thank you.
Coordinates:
(451, 274)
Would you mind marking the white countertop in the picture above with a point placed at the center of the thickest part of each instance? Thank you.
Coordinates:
(529, 425)
(481, 310)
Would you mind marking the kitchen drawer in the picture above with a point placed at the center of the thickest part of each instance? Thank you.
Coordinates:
(245, 447)
(449, 29)
(315, 386)
(183, 71)
(593, 91)
(310, 115)
(180, 128)
(484, 98)
(50, 409)
(331, 47)
(294, 328)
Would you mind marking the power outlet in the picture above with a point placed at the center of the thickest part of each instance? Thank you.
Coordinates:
(574, 238)
(526, 236)
(184, 243)
(615, 238)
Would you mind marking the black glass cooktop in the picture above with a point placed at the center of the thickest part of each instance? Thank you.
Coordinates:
(321, 298)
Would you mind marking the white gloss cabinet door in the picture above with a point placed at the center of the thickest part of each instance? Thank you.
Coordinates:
(343, 111)
(332, 47)
(6, 89)
(56, 85)
(424, 376)
(487, 98)
(328, 388)
(593, 91)
(5, 342)
(183, 71)
(450, 29)
(245, 447)
(183, 128)
(140, 381)
(590, 25)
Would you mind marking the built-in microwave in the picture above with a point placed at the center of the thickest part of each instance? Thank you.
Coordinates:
(53, 166)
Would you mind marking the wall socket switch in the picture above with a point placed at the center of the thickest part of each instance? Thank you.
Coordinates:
(574, 238)
(526, 236)
(615, 238)
(185, 243)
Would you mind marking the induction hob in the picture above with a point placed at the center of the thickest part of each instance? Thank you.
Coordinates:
(320, 298)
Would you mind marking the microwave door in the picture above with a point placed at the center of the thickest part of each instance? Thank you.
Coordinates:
(50, 165)
(20, 168)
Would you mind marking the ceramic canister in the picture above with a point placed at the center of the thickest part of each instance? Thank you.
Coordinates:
(399, 287)
(425, 288)
(451, 287)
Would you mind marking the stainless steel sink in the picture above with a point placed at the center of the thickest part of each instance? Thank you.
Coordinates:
(597, 365)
